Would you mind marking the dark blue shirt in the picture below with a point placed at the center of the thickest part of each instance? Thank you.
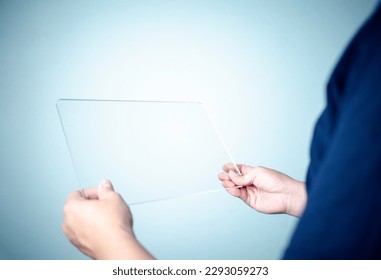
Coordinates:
(342, 219)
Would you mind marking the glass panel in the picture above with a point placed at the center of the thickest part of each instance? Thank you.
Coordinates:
(149, 150)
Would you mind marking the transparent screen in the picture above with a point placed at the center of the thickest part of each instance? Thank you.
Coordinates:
(149, 150)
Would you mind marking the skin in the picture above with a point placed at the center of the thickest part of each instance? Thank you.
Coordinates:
(99, 222)
(266, 190)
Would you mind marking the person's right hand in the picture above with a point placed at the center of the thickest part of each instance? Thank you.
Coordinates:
(266, 190)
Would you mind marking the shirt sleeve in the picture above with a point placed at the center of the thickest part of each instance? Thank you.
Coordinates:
(342, 219)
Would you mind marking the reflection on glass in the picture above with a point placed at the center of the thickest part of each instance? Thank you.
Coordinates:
(149, 150)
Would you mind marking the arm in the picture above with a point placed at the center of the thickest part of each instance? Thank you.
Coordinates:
(99, 223)
(266, 190)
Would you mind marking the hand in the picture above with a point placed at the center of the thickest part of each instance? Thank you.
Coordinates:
(266, 190)
(99, 223)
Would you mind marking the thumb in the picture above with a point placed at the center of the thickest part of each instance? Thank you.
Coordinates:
(105, 188)
(241, 180)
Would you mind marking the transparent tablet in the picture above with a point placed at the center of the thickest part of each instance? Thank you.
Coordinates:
(149, 150)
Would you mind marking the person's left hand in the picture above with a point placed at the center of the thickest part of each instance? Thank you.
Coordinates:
(99, 223)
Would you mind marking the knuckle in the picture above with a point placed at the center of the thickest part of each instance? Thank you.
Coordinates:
(259, 168)
(70, 196)
(66, 208)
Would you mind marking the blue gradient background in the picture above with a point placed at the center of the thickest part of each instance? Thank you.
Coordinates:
(260, 66)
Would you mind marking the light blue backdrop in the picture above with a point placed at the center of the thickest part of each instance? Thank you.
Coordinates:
(261, 67)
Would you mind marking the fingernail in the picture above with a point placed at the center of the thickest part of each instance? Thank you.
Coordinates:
(106, 184)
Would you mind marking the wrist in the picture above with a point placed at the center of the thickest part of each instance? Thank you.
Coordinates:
(296, 199)
(123, 247)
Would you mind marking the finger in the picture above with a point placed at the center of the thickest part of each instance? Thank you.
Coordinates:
(246, 168)
(228, 184)
(235, 192)
(231, 188)
(231, 166)
(90, 193)
(242, 180)
(76, 195)
(223, 176)
(105, 188)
